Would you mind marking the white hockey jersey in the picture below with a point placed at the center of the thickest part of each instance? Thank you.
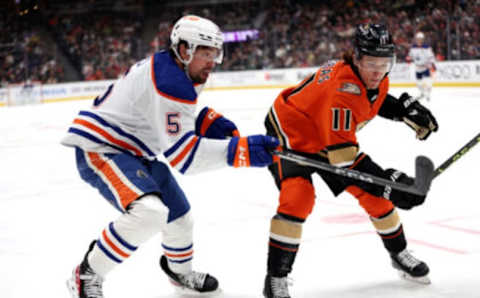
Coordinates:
(149, 111)
(422, 57)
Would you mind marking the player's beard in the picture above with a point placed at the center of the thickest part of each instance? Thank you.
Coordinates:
(202, 76)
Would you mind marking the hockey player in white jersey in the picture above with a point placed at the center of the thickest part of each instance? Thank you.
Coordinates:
(151, 111)
(421, 54)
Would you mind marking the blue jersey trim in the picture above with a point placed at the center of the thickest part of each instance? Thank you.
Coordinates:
(95, 139)
(178, 144)
(186, 165)
(171, 79)
(119, 131)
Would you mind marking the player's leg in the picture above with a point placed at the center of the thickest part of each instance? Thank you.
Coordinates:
(388, 225)
(124, 181)
(427, 85)
(296, 202)
(177, 240)
(419, 83)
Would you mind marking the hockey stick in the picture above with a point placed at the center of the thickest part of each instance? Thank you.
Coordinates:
(456, 156)
(423, 172)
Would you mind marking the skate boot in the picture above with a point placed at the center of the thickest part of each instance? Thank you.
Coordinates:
(410, 268)
(276, 287)
(191, 283)
(85, 283)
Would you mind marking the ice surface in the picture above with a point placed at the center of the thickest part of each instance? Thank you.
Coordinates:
(49, 215)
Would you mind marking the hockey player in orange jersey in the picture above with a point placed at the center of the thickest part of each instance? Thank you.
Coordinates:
(319, 118)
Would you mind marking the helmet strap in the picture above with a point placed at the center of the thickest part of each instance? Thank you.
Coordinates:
(190, 51)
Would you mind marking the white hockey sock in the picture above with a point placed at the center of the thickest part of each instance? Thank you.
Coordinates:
(146, 217)
(178, 244)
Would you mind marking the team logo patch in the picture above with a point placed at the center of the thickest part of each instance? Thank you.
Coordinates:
(141, 174)
(350, 88)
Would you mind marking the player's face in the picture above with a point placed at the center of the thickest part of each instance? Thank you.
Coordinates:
(373, 69)
(419, 41)
(202, 64)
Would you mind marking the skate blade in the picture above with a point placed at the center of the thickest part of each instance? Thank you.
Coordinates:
(424, 280)
(184, 292)
(72, 288)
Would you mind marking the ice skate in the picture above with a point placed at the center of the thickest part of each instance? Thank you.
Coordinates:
(191, 283)
(276, 287)
(410, 268)
(85, 283)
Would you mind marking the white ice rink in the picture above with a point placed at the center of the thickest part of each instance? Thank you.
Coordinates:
(49, 215)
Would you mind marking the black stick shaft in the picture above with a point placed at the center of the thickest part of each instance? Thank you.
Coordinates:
(292, 156)
(456, 156)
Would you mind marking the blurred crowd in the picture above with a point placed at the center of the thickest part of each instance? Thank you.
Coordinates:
(24, 53)
(100, 46)
(291, 34)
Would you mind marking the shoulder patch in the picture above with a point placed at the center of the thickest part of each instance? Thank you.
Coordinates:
(351, 88)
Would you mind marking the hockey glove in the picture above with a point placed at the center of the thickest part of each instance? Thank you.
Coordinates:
(251, 151)
(213, 125)
(418, 117)
(402, 200)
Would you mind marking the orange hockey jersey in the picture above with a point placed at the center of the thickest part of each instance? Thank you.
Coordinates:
(323, 113)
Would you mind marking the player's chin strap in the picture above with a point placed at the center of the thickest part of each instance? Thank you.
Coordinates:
(185, 63)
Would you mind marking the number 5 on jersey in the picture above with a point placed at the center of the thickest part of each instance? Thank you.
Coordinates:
(173, 123)
(337, 118)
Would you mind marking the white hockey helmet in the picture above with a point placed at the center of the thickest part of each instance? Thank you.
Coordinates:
(196, 31)
(420, 35)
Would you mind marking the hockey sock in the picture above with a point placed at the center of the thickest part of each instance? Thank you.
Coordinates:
(285, 236)
(177, 244)
(145, 217)
(390, 229)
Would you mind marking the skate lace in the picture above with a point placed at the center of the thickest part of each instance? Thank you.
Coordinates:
(193, 280)
(280, 286)
(92, 284)
(407, 259)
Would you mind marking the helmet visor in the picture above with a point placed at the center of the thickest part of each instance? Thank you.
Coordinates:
(377, 64)
(207, 53)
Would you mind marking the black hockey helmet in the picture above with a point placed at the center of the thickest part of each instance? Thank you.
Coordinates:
(373, 40)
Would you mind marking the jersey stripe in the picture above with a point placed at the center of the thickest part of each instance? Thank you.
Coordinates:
(187, 163)
(184, 152)
(179, 143)
(118, 130)
(124, 191)
(282, 133)
(93, 138)
(107, 136)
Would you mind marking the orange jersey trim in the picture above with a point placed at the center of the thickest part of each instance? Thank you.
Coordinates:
(185, 151)
(107, 136)
(126, 194)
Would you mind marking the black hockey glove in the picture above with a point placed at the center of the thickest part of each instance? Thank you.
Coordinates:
(418, 117)
(400, 199)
